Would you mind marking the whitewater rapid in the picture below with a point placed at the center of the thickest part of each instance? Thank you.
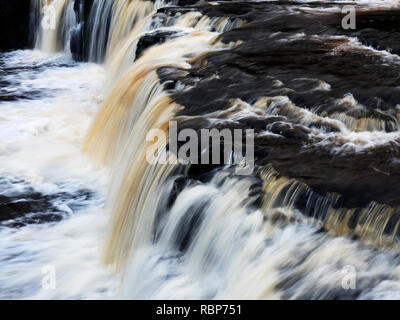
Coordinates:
(233, 254)
(80, 203)
(41, 137)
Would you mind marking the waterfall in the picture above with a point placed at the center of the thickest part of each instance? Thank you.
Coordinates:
(113, 28)
(111, 21)
(191, 233)
(138, 102)
(137, 105)
(220, 235)
(54, 38)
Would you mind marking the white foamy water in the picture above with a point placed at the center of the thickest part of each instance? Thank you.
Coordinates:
(211, 244)
(233, 251)
(40, 152)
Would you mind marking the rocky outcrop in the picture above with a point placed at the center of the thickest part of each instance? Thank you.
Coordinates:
(151, 39)
(313, 63)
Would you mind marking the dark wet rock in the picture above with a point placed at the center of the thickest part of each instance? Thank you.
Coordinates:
(182, 3)
(19, 208)
(15, 30)
(286, 52)
(379, 29)
(187, 2)
(153, 38)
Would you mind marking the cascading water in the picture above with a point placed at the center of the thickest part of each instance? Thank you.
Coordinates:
(111, 21)
(323, 193)
(55, 38)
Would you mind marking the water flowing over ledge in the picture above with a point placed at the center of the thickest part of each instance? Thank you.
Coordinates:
(324, 106)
